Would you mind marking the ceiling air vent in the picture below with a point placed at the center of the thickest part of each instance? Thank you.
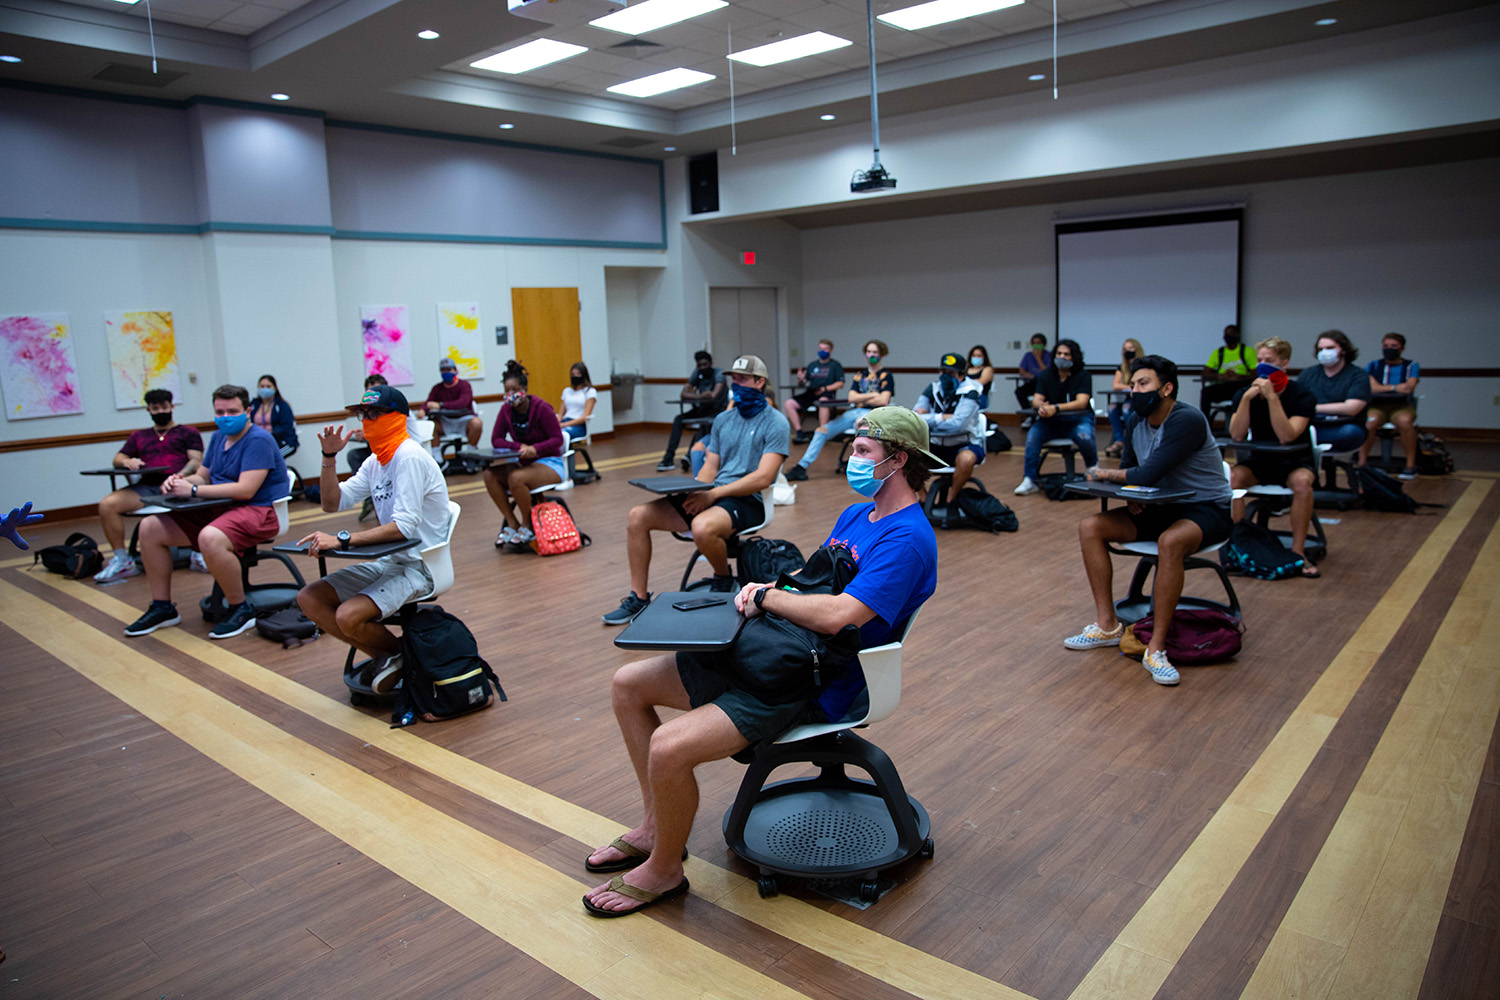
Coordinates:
(136, 76)
(636, 43)
(627, 142)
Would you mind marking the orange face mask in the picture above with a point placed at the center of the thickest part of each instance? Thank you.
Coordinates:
(384, 435)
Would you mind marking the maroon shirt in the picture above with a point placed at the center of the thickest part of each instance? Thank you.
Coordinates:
(170, 450)
(542, 431)
(458, 396)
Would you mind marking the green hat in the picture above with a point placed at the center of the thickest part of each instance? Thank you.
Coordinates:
(898, 426)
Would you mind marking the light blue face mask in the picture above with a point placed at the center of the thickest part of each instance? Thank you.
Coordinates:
(266, 392)
(861, 475)
(232, 425)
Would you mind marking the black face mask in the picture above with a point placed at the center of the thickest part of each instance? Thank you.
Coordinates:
(161, 419)
(577, 380)
(1129, 355)
(948, 384)
(1391, 353)
(1145, 403)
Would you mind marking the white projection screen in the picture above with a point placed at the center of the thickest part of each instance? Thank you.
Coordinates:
(1170, 281)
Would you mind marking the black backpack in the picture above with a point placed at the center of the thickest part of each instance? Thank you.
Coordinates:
(983, 510)
(289, 626)
(1256, 552)
(996, 441)
(1380, 492)
(1054, 486)
(762, 560)
(77, 557)
(443, 673)
(1433, 458)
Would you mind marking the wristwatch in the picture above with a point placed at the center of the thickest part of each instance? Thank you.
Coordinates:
(343, 537)
(760, 598)
(195, 489)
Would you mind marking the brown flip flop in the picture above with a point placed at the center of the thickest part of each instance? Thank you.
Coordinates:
(646, 896)
(634, 856)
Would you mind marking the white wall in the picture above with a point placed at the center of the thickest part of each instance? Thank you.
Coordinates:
(1409, 250)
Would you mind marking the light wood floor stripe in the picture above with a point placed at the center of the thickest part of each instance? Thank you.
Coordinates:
(874, 954)
(1140, 959)
(1364, 920)
(516, 897)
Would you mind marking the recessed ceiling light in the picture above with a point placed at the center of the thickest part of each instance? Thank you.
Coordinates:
(826, 118)
(669, 149)
(1326, 21)
(1037, 76)
(281, 97)
(428, 34)
(10, 59)
(925, 15)
(660, 83)
(506, 125)
(791, 48)
(526, 57)
(637, 19)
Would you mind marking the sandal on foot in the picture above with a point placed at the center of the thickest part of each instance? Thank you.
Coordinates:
(1311, 572)
(633, 856)
(646, 896)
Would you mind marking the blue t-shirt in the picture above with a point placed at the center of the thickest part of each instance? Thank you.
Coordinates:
(256, 450)
(897, 560)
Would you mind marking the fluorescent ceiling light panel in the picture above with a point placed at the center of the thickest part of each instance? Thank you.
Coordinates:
(542, 52)
(660, 83)
(639, 18)
(791, 48)
(128, 1)
(925, 15)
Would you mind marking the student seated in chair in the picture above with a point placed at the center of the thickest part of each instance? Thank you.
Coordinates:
(1064, 409)
(1395, 376)
(896, 554)
(950, 407)
(871, 389)
(456, 397)
(526, 424)
(411, 501)
(177, 448)
(707, 389)
(1274, 408)
(816, 383)
(578, 401)
(1341, 389)
(744, 452)
(1168, 445)
(1228, 370)
(242, 463)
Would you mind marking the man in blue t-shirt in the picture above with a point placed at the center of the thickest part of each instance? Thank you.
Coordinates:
(242, 463)
(896, 554)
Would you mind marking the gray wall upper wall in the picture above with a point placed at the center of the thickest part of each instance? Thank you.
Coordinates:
(258, 168)
(390, 182)
(68, 159)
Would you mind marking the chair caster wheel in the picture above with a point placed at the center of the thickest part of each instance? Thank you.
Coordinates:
(356, 699)
(766, 885)
(927, 849)
(869, 891)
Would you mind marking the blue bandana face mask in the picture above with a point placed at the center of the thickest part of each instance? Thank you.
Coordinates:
(861, 475)
(748, 400)
(232, 425)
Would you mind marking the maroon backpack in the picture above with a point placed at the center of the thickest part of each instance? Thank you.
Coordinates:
(1197, 635)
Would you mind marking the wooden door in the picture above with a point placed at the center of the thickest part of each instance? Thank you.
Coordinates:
(547, 337)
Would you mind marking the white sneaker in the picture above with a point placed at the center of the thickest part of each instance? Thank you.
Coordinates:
(525, 536)
(119, 567)
(196, 563)
(1027, 487)
(1162, 671)
(507, 536)
(1093, 637)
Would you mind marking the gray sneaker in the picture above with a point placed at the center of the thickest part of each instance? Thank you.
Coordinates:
(631, 606)
(241, 619)
(119, 567)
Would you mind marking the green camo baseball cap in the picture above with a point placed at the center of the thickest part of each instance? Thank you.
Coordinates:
(898, 426)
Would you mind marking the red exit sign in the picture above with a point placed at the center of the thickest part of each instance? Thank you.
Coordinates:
(748, 256)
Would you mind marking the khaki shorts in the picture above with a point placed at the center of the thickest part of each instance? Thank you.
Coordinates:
(389, 582)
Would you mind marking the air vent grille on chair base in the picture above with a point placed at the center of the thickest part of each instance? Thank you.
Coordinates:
(822, 838)
(806, 828)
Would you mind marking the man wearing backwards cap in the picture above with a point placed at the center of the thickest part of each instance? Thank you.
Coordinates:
(745, 448)
(896, 553)
(411, 501)
(1272, 408)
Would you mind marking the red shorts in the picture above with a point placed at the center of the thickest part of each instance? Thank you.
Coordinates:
(246, 526)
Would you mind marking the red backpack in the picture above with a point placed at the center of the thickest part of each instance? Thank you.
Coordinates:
(555, 531)
(1198, 635)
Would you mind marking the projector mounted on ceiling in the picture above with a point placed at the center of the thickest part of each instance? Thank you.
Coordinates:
(877, 178)
(564, 12)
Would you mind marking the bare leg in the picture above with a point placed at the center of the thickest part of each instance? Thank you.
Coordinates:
(1240, 478)
(1093, 532)
(1372, 431)
(1174, 546)
(522, 482)
(793, 414)
(963, 468)
(111, 516)
(358, 620)
(658, 515)
(1406, 426)
(218, 555)
(711, 528)
(1301, 483)
(472, 430)
(320, 602)
(497, 482)
(158, 535)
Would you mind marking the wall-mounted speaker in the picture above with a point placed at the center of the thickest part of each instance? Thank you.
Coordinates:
(703, 183)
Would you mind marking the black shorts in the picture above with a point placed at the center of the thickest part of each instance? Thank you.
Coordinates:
(744, 512)
(755, 720)
(1273, 470)
(1211, 518)
(810, 396)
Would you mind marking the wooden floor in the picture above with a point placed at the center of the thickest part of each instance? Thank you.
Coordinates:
(1318, 818)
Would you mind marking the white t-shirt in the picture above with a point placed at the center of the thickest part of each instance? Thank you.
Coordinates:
(573, 401)
(410, 492)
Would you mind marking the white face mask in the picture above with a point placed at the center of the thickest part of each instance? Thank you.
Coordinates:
(1328, 356)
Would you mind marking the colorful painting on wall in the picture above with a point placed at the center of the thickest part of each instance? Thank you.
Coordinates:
(458, 337)
(387, 342)
(142, 355)
(38, 370)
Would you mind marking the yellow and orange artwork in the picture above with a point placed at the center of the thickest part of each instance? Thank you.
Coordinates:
(142, 355)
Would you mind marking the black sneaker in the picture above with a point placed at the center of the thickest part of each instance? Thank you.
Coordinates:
(666, 465)
(802, 438)
(628, 609)
(796, 474)
(722, 585)
(687, 465)
(386, 675)
(159, 615)
(241, 619)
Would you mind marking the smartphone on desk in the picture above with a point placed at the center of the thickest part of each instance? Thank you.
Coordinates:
(1140, 489)
(695, 603)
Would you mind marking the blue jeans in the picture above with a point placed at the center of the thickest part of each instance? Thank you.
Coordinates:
(1079, 427)
(1117, 415)
(838, 425)
(1343, 437)
(575, 431)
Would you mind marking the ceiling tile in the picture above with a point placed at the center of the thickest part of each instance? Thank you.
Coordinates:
(247, 18)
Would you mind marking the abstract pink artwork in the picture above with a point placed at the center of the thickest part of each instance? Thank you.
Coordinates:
(38, 371)
(387, 343)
